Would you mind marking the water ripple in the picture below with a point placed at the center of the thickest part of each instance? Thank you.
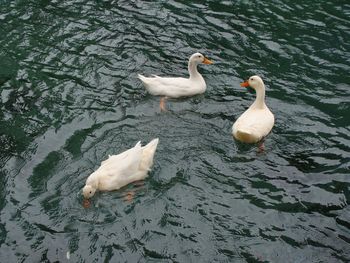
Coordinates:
(70, 96)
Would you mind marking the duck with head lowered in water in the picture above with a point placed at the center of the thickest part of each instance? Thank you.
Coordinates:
(119, 170)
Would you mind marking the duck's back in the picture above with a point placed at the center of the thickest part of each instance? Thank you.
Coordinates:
(253, 125)
(173, 87)
(128, 160)
(127, 167)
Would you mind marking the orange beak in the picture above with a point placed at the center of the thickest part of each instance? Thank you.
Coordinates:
(207, 61)
(86, 203)
(245, 84)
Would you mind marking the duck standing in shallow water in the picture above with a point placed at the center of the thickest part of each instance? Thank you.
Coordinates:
(178, 87)
(257, 121)
(122, 169)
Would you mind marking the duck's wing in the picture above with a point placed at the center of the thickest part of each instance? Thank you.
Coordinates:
(123, 164)
(172, 87)
(257, 123)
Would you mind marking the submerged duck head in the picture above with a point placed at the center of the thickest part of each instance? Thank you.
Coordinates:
(198, 58)
(88, 191)
(254, 81)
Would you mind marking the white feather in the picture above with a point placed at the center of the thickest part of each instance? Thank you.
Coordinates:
(124, 168)
(178, 87)
(257, 121)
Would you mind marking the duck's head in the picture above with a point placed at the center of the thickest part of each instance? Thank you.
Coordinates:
(88, 191)
(254, 81)
(198, 58)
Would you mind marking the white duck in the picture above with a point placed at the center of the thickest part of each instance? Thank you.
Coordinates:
(178, 87)
(257, 121)
(122, 169)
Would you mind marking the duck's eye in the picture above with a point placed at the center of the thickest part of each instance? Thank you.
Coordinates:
(199, 56)
(90, 192)
(252, 79)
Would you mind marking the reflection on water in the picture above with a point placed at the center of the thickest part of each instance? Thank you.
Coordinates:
(70, 96)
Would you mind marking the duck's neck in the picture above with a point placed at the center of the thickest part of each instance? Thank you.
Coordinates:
(192, 69)
(93, 180)
(259, 102)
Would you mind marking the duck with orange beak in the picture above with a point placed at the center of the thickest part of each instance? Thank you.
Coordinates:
(120, 170)
(257, 121)
(178, 87)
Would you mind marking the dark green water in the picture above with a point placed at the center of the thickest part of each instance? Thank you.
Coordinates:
(70, 96)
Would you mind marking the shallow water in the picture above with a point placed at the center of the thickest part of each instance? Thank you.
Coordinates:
(70, 96)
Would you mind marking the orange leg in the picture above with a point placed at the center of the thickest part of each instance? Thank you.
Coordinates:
(86, 203)
(261, 147)
(129, 197)
(162, 104)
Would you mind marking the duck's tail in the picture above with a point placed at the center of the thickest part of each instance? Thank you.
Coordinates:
(145, 81)
(141, 77)
(246, 136)
(148, 152)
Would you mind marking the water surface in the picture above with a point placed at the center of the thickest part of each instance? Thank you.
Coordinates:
(70, 96)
